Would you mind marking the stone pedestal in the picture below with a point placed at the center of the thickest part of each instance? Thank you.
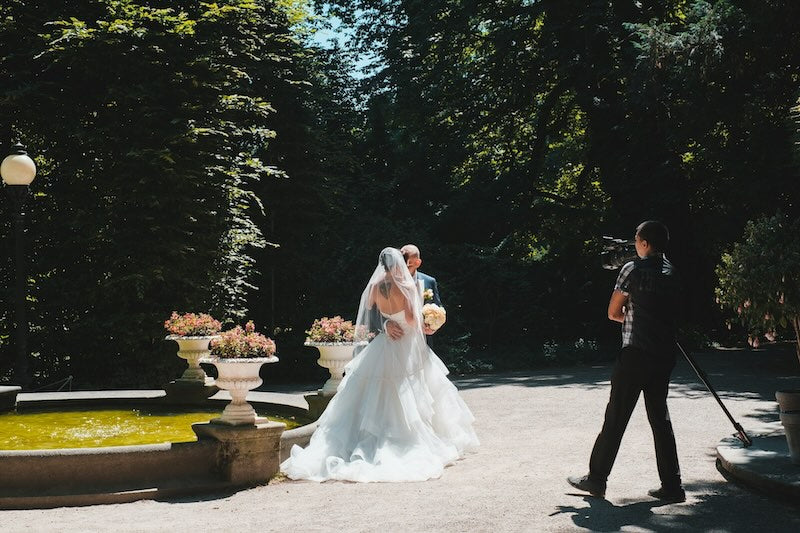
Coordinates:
(317, 402)
(182, 392)
(8, 397)
(248, 455)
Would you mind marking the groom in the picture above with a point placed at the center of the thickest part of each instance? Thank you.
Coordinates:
(426, 283)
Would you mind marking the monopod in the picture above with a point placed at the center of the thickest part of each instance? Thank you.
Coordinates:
(740, 433)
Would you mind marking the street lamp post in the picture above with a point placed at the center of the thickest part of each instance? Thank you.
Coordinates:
(18, 171)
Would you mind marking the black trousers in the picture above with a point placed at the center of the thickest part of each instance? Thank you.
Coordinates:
(638, 371)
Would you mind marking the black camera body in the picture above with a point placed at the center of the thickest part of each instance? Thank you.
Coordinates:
(617, 252)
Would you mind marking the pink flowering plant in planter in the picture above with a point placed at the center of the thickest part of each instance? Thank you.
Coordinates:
(335, 339)
(238, 343)
(758, 279)
(332, 330)
(336, 330)
(192, 325)
(238, 354)
(192, 332)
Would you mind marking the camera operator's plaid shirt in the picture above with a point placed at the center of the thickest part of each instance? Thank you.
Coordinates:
(627, 322)
(654, 291)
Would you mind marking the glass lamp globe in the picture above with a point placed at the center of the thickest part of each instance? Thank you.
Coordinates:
(18, 168)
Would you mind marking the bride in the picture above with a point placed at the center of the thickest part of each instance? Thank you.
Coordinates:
(395, 416)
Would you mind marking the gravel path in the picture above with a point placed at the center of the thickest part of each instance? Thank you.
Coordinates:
(536, 429)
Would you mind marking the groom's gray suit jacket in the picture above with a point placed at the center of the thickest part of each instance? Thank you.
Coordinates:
(429, 282)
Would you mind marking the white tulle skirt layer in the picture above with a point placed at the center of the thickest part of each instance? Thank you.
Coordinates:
(388, 421)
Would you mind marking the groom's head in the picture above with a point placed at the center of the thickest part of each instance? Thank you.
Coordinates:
(411, 255)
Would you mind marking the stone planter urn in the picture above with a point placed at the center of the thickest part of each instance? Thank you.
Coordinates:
(193, 349)
(334, 356)
(791, 427)
(789, 402)
(238, 377)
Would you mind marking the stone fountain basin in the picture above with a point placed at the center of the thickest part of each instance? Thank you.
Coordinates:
(223, 458)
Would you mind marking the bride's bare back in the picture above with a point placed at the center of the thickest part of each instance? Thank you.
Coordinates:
(390, 300)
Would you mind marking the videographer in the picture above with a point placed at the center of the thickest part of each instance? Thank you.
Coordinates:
(645, 300)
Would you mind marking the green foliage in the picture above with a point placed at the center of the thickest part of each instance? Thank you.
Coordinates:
(209, 149)
(758, 278)
(152, 124)
(517, 133)
(475, 150)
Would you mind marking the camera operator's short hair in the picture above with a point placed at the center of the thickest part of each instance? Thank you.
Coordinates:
(655, 233)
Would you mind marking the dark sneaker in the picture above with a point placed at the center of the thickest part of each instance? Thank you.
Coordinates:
(586, 484)
(676, 495)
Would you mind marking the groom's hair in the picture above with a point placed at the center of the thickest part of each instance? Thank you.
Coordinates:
(409, 250)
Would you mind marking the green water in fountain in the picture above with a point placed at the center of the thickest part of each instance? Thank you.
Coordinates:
(106, 427)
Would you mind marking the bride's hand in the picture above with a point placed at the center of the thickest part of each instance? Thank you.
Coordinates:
(428, 331)
(394, 330)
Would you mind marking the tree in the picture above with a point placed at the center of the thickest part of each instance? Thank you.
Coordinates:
(758, 278)
(145, 199)
(551, 123)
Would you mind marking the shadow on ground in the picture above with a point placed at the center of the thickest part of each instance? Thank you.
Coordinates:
(711, 507)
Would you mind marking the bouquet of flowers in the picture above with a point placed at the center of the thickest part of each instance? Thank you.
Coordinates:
(238, 343)
(433, 316)
(192, 325)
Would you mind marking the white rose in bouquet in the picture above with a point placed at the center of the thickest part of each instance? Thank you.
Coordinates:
(433, 316)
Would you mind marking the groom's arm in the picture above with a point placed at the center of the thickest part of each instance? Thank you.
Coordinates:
(393, 329)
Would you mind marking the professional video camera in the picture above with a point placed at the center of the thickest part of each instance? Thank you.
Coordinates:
(617, 252)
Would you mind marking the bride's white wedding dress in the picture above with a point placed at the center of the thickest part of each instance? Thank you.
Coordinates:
(391, 420)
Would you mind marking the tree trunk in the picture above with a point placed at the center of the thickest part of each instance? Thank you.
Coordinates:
(796, 324)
